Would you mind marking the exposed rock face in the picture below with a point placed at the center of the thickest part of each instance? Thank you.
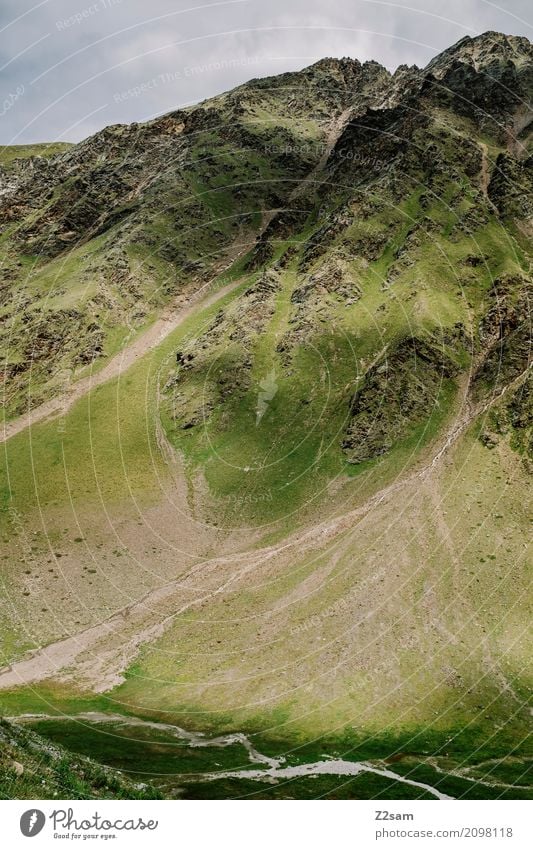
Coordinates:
(513, 418)
(505, 334)
(511, 186)
(398, 393)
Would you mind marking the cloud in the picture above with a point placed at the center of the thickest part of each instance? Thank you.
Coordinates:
(75, 59)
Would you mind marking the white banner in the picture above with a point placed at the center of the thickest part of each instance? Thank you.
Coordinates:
(267, 825)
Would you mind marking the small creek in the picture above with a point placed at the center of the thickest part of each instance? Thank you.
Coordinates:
(273, 768)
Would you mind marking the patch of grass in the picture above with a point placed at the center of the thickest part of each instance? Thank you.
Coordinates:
(32, 768)
(364, 786)
(11, 153)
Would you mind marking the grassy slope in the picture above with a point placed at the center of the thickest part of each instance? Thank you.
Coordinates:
(445, 578)
(34, 768)
(293, 453)
(10, 153)
(100, 460)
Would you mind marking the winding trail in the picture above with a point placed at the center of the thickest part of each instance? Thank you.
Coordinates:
(46, 662)
(462, 773)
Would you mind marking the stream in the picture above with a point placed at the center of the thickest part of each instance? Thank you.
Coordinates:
(273, 767)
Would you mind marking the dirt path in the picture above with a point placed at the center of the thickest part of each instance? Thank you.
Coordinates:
(145, 342)
(335, 129)
(486, 175)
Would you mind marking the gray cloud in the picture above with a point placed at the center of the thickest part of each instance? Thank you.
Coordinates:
(69, 67)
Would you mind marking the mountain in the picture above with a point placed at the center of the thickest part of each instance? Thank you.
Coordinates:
(268, 416)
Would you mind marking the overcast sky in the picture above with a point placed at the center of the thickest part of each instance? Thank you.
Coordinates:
(70, 67)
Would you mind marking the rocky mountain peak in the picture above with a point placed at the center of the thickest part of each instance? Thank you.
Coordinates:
(483, 52)
(349, 70)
